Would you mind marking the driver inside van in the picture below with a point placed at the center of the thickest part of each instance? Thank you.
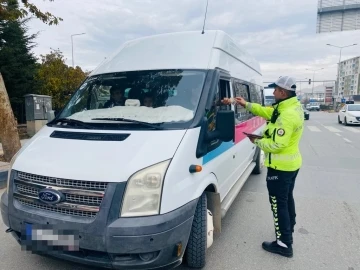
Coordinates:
(116, 97)
(148, 100)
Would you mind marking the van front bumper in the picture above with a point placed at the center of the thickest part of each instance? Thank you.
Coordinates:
(155, 242)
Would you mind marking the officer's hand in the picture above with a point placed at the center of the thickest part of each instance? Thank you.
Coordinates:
(252, 139)
(241, 101)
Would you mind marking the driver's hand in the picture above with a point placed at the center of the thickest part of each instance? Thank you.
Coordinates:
(226, 101)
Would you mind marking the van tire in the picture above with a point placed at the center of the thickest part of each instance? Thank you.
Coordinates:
(195, 254)
(259, 163)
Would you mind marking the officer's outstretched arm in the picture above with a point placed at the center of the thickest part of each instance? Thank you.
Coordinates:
(259, 110)
(280, 138)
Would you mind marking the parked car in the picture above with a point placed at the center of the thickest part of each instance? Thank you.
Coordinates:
(314, 108)
(306, 113)
(349, 114)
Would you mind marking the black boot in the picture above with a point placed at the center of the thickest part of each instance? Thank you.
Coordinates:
(273, 247)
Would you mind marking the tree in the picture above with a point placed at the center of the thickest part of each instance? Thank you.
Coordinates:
(56, 79)
(10, 11)
(8, 131)
(17, 63)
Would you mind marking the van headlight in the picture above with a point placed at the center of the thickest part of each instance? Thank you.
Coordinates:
(143, 191)
(9, 171)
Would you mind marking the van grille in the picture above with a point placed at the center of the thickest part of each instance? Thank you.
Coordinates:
(82, 198)
(68, 212)
(63, 182)
(73, 198)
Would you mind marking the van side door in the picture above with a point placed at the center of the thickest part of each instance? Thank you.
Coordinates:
(220, 154)
(243, 123)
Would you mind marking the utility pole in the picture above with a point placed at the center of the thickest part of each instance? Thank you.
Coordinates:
(72, 46)
(312, 90)
(301, 82)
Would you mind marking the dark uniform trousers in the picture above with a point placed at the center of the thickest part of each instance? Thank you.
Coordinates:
(280, 186)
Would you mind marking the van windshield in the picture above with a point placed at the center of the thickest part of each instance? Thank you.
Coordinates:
(154, 97)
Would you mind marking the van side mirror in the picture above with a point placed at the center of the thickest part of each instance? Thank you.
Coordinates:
(225, 127)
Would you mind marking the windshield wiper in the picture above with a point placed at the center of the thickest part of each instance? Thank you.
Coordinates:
(155, 126)
(71, 121)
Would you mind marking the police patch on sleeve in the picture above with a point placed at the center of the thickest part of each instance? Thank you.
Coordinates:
(281, 132)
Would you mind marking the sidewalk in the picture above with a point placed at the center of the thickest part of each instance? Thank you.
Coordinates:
(21, 141)
(4, 166)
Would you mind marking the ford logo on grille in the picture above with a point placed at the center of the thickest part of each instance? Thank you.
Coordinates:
(50, 196)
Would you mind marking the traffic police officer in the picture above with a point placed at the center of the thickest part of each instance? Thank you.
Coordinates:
(280, 143)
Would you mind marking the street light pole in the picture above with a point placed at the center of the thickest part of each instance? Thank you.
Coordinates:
(340, 47)
(72, 46)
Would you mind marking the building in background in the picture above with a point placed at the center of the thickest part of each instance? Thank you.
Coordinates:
(320, 95)
(338, 15)
(349, 77)
(269, 97)
(329, 94)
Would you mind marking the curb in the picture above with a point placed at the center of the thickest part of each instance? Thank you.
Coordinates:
(3, 179)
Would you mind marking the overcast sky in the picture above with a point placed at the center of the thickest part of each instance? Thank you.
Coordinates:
(280, 34)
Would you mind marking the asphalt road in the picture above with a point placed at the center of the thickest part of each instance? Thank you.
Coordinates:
(327, 194)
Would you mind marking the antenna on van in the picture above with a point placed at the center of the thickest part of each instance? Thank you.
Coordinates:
(207, 3)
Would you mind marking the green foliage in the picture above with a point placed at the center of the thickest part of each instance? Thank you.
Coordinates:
(21, 73)
(11, 13)
(56, 79)
(17, 63)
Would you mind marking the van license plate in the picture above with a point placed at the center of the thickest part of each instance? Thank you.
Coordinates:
(49, 238)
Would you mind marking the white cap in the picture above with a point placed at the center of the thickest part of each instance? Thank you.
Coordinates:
(286, 82)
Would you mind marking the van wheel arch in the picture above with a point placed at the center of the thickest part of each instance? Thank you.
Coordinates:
(210, 188)
(259, 159)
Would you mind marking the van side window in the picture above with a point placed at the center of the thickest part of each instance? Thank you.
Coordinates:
(222, 91)
(211, 114)
(241, 90)
(262, 96)
(254, 95)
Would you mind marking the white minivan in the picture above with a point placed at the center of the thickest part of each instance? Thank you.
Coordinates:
(141, 165)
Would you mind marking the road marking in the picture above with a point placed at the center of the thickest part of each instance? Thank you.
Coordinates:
(314, 128)
(338, 134)
(332, 129)
(320, 123)
(346, 140)
(352, 129)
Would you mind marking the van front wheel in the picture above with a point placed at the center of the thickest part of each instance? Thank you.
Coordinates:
(197, 244)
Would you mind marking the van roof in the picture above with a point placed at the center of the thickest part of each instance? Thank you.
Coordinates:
(180, 50)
